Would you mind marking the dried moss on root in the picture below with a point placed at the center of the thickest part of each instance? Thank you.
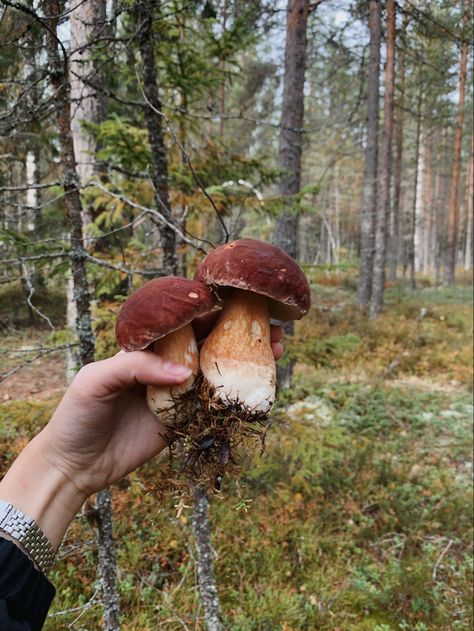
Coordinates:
(206, 437)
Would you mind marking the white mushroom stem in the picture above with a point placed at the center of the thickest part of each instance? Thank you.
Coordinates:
(237, 358)
(179, 347)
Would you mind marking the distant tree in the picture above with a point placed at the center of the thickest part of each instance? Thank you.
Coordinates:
(469, 210)
(88, 23)
(144, 15)
(383, 193)
(396, 241)
(367, 211)
(410, 258)
(452, 245)
(291, 142)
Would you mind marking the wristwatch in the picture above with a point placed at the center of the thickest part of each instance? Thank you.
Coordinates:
(25, 530)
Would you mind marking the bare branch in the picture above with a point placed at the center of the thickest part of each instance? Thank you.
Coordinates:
(440, 558)
(192, 241)
(120, 268)
(44, 351)
(31, 290)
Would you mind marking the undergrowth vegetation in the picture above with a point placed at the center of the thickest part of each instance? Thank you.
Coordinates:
(357, 516)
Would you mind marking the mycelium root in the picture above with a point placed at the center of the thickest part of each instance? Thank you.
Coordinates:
(237, 358)
(208, 442)
(180, 347)
(227, 408)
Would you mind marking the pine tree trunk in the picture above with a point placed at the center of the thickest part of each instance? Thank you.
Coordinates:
(383, 197)
(469, 210)
(419, 210)
(81, 296)
(456, 174)
(369, 196)
(144, 14)
(206, 579)
(428, 204)
(71, 185)
(291, 144)
(397, 234)
(412, 244)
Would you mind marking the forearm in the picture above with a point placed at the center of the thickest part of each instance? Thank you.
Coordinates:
(41, 491)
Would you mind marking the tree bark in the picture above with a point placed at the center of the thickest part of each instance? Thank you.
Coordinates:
(411, 249)
(143, 15)
(428, 214)
(469, 210)
(88, 100)
(369, 197)
(383, 197)
(59, 69)
(291, 143)
(456, 174)
(107, 561)
(89, 104)
(206, 578)
(397, 240)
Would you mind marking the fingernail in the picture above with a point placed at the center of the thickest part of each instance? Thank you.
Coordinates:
(177, 370)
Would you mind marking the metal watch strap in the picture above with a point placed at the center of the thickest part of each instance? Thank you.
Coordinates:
(25, 530)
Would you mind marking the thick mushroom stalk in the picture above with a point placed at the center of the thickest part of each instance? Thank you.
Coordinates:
(237, 359)
(159, 315)
(179, 347)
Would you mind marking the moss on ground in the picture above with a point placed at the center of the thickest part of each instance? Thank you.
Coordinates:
(358, 515)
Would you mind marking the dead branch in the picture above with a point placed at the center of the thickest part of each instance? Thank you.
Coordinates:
(45, 351)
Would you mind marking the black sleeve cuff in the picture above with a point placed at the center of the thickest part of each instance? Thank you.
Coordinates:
(25, 592)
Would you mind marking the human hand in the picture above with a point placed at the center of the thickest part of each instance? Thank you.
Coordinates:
(101, 430)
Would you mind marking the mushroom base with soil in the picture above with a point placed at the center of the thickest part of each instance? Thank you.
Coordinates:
(204, 444)
(237, 358)
(234, 394)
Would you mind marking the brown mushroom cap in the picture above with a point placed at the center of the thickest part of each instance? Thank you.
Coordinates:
(262, 268)
(159, 307)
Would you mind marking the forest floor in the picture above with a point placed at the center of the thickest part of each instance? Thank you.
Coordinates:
(358, 515)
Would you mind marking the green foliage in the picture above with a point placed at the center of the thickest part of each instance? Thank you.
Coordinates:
(321, 352)
(122, 144)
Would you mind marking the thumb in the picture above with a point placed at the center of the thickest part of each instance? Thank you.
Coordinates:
(128, 369)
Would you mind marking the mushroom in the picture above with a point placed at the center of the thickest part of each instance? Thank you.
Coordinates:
(160, 313)
(256, 281)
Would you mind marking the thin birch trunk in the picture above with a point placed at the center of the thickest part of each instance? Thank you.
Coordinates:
(88, 104)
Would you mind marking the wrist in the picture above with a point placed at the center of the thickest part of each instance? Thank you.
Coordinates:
(40, 490)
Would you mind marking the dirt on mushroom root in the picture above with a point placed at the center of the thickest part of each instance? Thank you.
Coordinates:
(208, 440)
(43, 379)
